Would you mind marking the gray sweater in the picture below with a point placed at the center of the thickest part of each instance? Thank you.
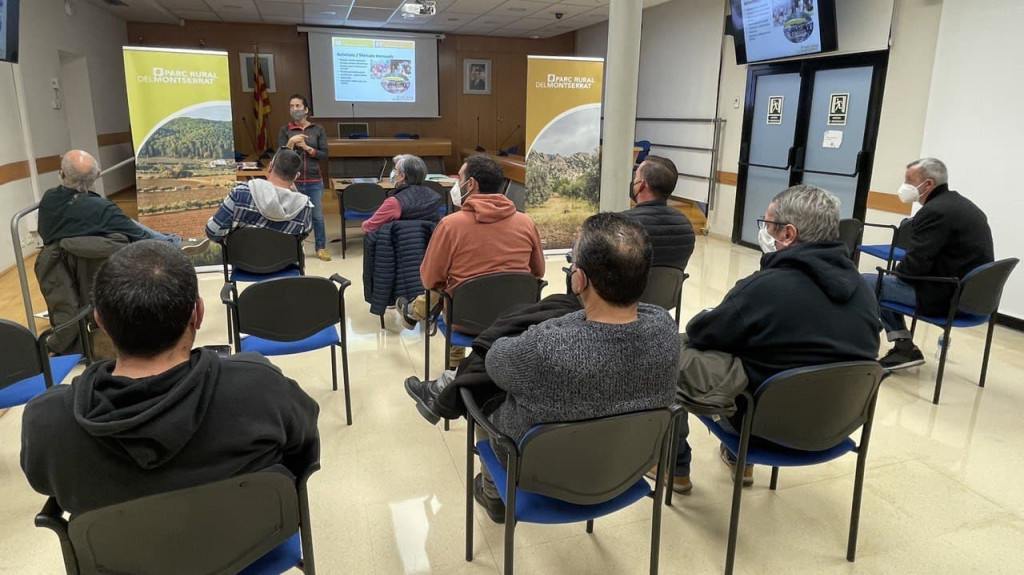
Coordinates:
(568, 369)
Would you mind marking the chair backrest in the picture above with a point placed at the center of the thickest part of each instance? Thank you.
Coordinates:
(664, 287)
(592, 461)
(362, 197)
(478, 301)
(288, 309)
(218, 528)
(982, 288)
(441, 191)
(261, 250)
(850, 231)
(815, 408)
(20, 357)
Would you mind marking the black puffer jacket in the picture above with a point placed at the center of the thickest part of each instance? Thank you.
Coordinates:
(670, 231)
(418, 203)
(391, 262)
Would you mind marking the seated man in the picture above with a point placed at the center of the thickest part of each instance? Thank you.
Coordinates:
(410, 200)
(670, 231)
(161, 416)
(71, 210)
(949, 237)
(614, 356)
(271, 203)
(486, 236)
(806, 306)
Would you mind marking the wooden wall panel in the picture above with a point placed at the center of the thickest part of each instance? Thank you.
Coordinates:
(114, 138)
(499, 112)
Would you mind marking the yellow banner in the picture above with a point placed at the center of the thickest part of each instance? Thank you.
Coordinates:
(179, 103)
(563, 132)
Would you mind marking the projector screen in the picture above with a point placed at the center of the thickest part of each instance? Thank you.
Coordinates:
(770, 29)
(356, 74)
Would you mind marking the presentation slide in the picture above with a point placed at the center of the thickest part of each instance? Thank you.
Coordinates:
(374, 70)
(3, 30)
(358, 74)
(779, 28)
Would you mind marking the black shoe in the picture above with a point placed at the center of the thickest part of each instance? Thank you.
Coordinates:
(495, 508)
(902, 358)
(425, 393)
(402, 306)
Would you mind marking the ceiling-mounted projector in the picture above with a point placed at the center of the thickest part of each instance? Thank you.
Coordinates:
(419, 8)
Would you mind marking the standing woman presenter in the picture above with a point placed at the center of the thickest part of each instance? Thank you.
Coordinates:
(310, 141)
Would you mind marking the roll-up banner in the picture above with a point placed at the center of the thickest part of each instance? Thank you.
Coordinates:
(179, 103)
(563, 133)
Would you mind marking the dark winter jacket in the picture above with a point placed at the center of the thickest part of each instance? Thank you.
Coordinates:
(391, 262)
(106, 439)
(949, 237)
(807, 305)
(418, 203)
(670, 231)
(68, 213)
(65, 270)
(472, 371)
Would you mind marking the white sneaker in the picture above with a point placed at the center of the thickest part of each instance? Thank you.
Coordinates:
(393, 320)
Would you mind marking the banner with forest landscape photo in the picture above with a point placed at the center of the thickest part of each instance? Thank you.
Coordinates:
(563, 134)
(179, 103)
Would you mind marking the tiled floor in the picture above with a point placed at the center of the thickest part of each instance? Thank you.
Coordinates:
(941, 493)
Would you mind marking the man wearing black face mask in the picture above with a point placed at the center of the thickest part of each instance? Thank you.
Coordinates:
(807, 305)
(670, 231)
(949, 237)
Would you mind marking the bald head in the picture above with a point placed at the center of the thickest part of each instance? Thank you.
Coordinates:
(78, 170)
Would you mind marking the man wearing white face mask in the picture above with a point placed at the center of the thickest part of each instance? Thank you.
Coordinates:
(807, 305)
(486, 236)
(949, 237)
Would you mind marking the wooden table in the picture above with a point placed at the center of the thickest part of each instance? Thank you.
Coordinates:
(243, 175)
(387, 147)
(340, 184)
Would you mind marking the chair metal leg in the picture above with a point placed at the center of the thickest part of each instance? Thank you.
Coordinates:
(913, 326)
(470, 429)
(667, 456)
(344, 238)
(510, 527)
(737, 493)
(382, 321)
(426, 339)
(942, 365)
(446, 427)
(590, 525)
(344, 374)
(671, 464)
(858, 488)
(988, 348)
(775, 478)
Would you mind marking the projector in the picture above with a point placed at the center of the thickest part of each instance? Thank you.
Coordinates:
(419, 8)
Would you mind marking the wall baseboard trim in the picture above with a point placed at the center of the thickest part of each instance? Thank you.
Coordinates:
(1014, 323)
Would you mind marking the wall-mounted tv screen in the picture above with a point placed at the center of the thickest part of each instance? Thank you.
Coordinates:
(771, 29)
(9, 30)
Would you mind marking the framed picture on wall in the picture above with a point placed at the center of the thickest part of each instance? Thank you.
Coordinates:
(266, 64)
(476, 76)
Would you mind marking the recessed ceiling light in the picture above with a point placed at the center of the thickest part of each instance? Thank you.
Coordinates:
(328, 13)
(517, 9)
(534, 37)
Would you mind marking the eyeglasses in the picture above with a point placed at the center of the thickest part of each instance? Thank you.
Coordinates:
(763, 223)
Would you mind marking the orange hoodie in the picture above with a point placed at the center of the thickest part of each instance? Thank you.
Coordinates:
(488, 235)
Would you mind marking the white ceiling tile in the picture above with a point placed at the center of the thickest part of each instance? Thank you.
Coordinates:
(370, 14)
(325, 12)
(177, 6)
(294, 19)
(231, 5)
(278, 8)
(389, 4)
(475, 6)
(521, 8)
(529, 24)
(198, 15)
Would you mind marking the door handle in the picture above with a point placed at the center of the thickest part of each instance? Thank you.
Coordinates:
(789, 160)
(857, 166)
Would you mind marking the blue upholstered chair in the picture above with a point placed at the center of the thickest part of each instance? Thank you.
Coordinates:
(358, 202)
(645, 149)
(975, 302)
(474, 305)
(25, 368)
(571, 472)
(894, 251)
(253, 524)
(257, 254)
(293, 315)
(802, 416)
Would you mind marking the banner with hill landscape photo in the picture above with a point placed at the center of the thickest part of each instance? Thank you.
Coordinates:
(179, 103)
(563, 134)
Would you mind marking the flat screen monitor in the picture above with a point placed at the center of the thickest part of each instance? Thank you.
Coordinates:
(349, 129)
(773, 29)
(9, 30)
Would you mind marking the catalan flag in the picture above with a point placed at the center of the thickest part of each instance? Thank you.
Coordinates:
(260, 105)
